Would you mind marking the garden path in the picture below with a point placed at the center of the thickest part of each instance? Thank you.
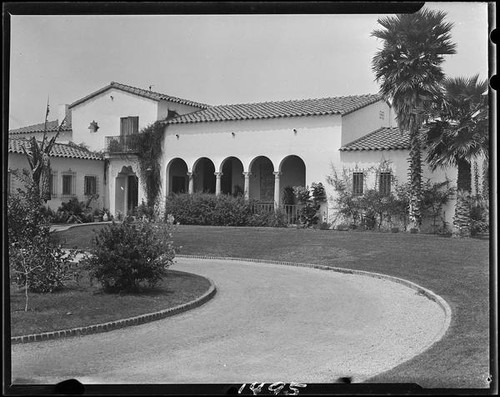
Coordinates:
(267, 323)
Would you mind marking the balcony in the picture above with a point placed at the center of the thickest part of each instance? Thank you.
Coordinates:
(121, 143)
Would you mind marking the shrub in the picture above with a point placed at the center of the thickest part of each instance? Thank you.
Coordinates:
(288, 196)
(374, 210)
(308, 214)
(37, 262)
(222, 210)
(74, 211)
(145, 212)
(479, 216)
(125, 255)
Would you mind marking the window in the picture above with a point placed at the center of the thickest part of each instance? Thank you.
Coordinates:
(129, 125)
(384, 183)
(89, 185)
(357, 183)
(68, 185)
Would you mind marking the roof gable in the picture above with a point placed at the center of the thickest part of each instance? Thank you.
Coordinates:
(156, 96)
(266, 110)
(58, 150)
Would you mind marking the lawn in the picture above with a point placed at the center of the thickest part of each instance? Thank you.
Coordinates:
(81, 304)
(456, 269)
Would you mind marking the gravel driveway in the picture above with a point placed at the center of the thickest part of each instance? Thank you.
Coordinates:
(267, 323)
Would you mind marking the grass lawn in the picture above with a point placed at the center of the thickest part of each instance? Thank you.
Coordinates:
(82, 304)
(456, 269)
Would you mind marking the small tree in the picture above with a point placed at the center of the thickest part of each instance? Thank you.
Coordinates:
(37, 263)
(308, 214)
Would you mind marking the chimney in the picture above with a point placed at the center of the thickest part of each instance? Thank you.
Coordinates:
(63, 112)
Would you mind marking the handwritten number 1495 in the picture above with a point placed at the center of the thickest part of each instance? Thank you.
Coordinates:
(275, 388)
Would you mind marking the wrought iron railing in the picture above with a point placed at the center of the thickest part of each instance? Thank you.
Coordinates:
(122, 143)
(292, 213)
(262, 208)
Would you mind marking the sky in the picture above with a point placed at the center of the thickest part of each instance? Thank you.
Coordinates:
(213, 59)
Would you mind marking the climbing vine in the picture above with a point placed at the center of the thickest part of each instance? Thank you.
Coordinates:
(149, 149)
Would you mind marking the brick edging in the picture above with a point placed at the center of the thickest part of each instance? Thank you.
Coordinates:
(112, 325)
(419, 289)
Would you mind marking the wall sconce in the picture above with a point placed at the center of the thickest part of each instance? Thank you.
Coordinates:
(177, 136)
(233, 134)
(295, 131)
(112, 97)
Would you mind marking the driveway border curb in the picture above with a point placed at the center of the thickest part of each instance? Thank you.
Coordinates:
(419, 289)
(112, 325)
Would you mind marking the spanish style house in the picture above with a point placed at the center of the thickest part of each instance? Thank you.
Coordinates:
(257, 149)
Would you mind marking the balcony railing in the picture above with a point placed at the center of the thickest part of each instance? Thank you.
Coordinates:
(122, 143)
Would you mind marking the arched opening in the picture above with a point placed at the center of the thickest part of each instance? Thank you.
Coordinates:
(262, 180)
(126, 191)
(204, 176)
(177, 177)
(232, 179)
(293, 173)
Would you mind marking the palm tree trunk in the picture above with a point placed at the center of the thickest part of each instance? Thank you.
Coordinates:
(415, 177)
(461, 220)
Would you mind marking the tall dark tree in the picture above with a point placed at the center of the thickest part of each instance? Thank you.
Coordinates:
(460, 137)
(408, 68)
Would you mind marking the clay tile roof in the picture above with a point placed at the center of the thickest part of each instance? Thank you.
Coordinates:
(267, 110)
(51, 127)
(59, 150)
(139, 92)
(382, 139)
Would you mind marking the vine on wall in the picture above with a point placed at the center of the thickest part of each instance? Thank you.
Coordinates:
(149, 149)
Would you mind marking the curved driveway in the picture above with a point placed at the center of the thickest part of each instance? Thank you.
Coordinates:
(267, 323)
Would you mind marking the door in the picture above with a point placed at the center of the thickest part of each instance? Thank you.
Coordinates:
(132, 193)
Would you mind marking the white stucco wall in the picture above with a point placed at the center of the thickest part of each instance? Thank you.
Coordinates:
(107, 111)
(316, 142)
(366, 120)
(397, 161)
(80, 168)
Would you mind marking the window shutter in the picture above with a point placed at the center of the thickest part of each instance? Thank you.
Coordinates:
(135, 125)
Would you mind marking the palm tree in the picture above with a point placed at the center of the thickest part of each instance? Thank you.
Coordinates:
(408, 68)
(460, 137)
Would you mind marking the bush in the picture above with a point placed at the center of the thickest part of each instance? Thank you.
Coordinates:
(37, 262)
(74, 211)
(222, 210)
(308, 214)
(479, 216)
(145, 212)
(127, 254)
